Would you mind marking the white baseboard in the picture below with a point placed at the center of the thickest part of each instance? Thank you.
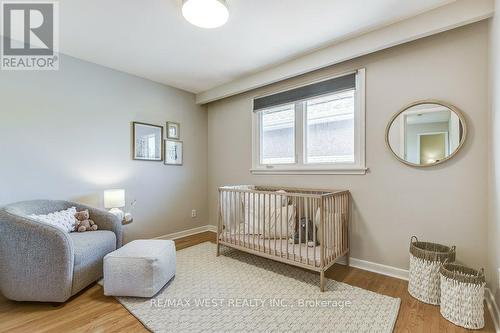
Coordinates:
(493, 308)
(188, 232)
(377, 268)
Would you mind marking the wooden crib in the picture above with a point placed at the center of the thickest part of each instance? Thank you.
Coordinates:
(301, 227)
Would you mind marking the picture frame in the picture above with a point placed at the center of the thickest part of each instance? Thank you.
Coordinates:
(173, 152)
(173, 130)
(147, 142)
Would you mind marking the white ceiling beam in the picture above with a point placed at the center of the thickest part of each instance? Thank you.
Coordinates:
(456, 14)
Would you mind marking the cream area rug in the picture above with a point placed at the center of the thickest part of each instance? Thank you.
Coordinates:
(240, 292)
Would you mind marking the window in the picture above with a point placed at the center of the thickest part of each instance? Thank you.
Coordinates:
(330, 128)
(278, 135)
(317, 128)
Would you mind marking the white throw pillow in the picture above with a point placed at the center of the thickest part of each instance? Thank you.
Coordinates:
(330, 217)
(268, 211)
(64, 219)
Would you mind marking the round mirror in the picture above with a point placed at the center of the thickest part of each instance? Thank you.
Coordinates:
(426, 133)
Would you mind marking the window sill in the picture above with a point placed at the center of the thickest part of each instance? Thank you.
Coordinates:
(350, 171)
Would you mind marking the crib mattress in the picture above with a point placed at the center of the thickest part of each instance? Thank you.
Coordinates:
(279, 247)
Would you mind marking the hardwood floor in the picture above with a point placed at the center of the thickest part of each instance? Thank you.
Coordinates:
(91, 311)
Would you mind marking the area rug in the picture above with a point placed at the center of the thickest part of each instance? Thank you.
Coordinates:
(240, 292)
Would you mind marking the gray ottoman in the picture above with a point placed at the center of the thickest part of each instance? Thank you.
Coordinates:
(140, 268)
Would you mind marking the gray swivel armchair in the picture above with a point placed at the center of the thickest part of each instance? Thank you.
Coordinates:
(39, 262)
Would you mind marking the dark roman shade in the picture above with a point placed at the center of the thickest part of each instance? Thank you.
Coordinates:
(312, 90)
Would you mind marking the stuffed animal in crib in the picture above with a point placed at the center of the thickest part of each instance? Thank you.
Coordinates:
(84, 223)
(304, 225)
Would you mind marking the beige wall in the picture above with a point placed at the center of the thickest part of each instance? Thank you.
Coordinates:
(66, 135)
(494, 189)
(447, 203)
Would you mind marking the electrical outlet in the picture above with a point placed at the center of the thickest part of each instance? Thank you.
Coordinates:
(193, 213)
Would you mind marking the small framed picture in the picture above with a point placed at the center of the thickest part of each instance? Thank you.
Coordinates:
(173, 152)
(173, 130)
(147, 142)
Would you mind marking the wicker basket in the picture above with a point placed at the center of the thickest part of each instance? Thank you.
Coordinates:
(462, 295)
(425, 260)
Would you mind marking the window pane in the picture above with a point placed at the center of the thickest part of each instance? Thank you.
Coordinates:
(278, 135)
(330, 128)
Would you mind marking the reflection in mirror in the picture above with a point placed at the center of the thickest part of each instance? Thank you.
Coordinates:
(426, 133)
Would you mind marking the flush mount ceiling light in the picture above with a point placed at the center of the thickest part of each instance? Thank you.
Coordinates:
(206, 14)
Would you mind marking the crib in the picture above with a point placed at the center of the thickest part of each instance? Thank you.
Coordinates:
(302, 227)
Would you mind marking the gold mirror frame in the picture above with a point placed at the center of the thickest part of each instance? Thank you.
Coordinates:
(428, 101)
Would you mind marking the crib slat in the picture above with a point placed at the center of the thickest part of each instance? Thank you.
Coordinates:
(336, 236)
(246, 224)
(227, 204)
(253, 219)
(326, 220)
(257, 220)
(335, 225)
(322, 232)
(228, 210)
(326, 236)
(235, 218)
(275, 220)
(346, 223)
(281, 224)
(231, 217)
(228, 216)
(343, 222)
(246, 218)
(287, 231)
(306, 215)
(263, 219)
(315, 207)
(221, 207)
(219, 220)
(337, 231)
(300, 228)
(239, 218)
(348, 219)
(344, 245)
(313, 218)
(269, 224)
(261, 232)
(224, 217)
(331, 229)
(237, 224)
(312, 203)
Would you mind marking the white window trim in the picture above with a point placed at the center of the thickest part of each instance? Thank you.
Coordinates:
(311, 169)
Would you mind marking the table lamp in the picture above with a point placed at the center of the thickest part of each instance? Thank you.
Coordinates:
(114, 200)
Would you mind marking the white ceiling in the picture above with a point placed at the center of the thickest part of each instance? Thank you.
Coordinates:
(430, 117)
(151, 39)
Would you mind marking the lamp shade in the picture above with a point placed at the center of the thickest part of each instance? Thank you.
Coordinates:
(114, 198)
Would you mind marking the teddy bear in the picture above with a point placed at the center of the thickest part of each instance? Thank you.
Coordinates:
(83, 222)
(300, 237)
